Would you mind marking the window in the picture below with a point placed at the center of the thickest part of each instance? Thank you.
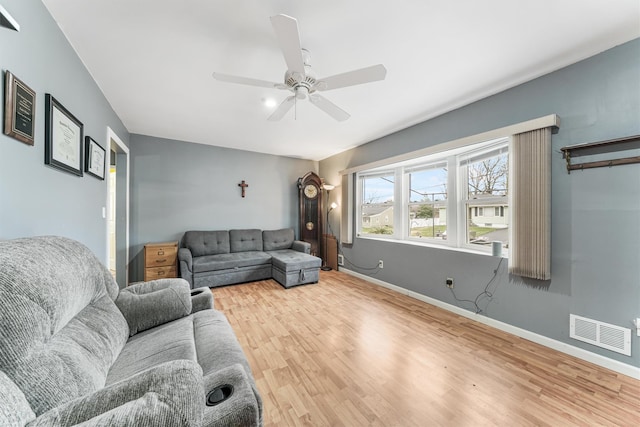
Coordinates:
(456, 198)
(485, 175)
(377, 207)
(427, 195)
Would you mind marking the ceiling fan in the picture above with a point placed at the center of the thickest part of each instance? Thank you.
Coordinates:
(301, 79)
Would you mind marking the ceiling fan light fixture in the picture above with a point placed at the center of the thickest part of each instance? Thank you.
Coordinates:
(302, 92)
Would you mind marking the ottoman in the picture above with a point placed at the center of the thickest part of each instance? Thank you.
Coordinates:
(292, 268)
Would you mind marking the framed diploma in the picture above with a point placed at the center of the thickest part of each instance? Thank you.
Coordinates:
(94, 158)
(19, 109)
(63, 138)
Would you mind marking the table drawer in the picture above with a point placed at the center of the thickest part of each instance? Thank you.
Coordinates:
(158, 256)
(153, 273)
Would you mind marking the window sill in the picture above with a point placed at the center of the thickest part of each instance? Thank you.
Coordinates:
(432, 245)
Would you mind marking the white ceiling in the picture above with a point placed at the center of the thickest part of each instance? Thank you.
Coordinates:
(154, 60)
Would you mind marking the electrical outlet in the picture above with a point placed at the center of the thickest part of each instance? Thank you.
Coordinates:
(341, 259)
(380, 264)
(449, 282)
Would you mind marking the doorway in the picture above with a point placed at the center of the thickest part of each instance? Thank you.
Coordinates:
(111, 216)
(118, 209)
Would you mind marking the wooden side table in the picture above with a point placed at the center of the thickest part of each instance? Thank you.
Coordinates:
(160, 260)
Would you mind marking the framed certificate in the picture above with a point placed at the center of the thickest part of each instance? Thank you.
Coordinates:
(19, 109)
(94, 160)
(63, 138)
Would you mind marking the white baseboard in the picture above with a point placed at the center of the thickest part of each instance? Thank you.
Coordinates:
(596, 359)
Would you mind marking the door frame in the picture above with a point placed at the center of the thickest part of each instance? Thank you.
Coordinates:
(115, 143)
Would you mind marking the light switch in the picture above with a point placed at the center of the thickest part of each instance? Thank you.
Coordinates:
(104, 212)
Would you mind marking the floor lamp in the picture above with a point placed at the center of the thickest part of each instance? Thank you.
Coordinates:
(327, 187)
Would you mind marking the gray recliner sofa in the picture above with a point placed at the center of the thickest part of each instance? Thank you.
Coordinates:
(75, 349)
(221, 257)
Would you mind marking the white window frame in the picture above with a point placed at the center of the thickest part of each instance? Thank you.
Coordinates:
(456, 204)
(360, 193)
(501, 145)
(406, 193)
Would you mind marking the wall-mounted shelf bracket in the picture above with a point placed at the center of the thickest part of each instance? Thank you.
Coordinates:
(594, 148)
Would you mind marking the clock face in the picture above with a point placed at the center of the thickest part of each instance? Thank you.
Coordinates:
(309, 225)
(311, 191)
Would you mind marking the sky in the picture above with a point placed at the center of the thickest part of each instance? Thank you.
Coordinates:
(380, 189)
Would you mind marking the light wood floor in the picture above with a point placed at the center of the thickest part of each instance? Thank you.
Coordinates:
(344, 352)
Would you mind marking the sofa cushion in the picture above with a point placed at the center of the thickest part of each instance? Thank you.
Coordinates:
(245, 240)
(171, 341)
(227, 261)
(274, 240)
(290, 260)
(202, 243)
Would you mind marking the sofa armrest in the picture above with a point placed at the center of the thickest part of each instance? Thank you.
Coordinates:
(166, 395)
(201, 299)
(300, 246)
(148, 304)
(243, 407)
(185, 258)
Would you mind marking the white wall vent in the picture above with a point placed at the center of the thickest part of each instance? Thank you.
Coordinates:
(611, 337)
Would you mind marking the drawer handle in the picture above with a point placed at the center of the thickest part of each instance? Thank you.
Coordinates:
(161, 260)
(160, 252)
(160, 273)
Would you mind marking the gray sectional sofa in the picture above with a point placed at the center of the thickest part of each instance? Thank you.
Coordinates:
(225, 257)
(75, 349)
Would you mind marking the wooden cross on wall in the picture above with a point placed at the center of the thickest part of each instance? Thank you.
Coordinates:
(244, 185)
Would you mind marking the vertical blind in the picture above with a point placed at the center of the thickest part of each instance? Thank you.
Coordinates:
(346, 220)
(531, 204)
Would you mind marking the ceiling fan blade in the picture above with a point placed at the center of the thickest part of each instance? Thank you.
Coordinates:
(247, 81)
(352, 78)
(282, 109)
(286, 29)
(329, 107)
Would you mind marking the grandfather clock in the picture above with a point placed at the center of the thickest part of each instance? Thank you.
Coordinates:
(310, 195)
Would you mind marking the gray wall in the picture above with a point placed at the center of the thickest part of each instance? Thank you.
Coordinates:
(596, 230)
(178, 186)
(36, 199)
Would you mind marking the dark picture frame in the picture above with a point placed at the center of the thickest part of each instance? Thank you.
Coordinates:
(95, 158)
(19, 109)
(63, 138)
